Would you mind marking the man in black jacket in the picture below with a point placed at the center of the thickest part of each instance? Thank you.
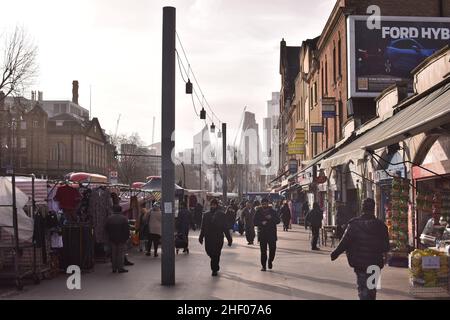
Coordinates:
(365, 242)
(248, 216)
(214, 227)
(118, 232)
(266, 219)
(314, 218)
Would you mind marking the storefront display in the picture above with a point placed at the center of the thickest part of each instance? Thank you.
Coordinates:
(397, 217)
(429, 272)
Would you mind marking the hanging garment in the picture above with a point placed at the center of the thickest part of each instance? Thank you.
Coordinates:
(100, 208)
(53, 205)
(68, 197)
(56, 240)
(83, 209)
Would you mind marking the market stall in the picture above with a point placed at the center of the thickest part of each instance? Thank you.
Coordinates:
(397, 221)
(429, 272)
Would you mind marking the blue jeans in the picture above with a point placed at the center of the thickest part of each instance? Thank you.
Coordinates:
(364, 293)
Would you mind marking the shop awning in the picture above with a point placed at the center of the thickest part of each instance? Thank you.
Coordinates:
(319, 158)
(430, 111)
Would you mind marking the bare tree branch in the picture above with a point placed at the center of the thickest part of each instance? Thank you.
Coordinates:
(18, 65)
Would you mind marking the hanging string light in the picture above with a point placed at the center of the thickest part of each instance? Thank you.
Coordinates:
(213, 128)
(203, 114)
(219, 134)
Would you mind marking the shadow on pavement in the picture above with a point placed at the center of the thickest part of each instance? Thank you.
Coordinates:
(291, 292)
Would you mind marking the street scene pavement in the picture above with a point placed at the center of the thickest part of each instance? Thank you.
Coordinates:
(298, 274)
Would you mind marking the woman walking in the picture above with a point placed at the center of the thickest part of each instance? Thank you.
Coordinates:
(154, 227)
(285, 215)
(142, 227)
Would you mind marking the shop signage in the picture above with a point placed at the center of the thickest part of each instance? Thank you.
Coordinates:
(384, 175)
(298, 145)
(431, 262)
(113, 177)
(293, 166)
(294, 149)
(328, 108)
(317, 128)
(321, 179)
(380, 57)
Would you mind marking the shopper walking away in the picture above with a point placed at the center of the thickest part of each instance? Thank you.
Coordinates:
(154, 228)
(240, 218)
(183, 224)
(314, 218)
(249, 223)
(257, 208)
(231, 216)
(118, 209)
(305, 210)
(365, 242)
(213, 228)
(143, 229)
(267, 219)
(285, 215)
(118, 232)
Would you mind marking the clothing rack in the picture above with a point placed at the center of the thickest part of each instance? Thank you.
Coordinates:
(17, 248)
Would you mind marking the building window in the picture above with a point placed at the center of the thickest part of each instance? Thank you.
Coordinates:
(59, 123)
(326, 77)
(35, 124)
(23, 125)
(23, 143)
(323, 83)
(334, 65)
(63, 108)
(58, 152)
(315, 93)
(341, 117)
(339, 58)
(23, 162)
(56, 108)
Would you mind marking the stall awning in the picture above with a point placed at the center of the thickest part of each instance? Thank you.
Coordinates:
(431, 111)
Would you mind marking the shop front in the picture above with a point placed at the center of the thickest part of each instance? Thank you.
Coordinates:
(432, 181)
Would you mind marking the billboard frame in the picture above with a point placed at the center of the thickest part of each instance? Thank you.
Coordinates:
(351, 47)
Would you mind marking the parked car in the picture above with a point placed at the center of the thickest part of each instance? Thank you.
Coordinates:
(403, 55)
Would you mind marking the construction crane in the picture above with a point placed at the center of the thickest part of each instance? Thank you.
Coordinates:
(117, 126)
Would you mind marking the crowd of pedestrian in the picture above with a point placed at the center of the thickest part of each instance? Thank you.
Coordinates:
(364, 239)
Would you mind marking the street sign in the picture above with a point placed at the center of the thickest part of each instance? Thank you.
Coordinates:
(317, 128)
(113, 177)
(293, 166)
(328, 108)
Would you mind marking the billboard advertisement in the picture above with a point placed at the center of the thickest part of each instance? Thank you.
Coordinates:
(380, 57)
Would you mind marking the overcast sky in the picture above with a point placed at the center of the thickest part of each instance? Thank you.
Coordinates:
(115, 46)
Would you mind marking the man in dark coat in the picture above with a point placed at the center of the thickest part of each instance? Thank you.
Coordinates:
(118, 231)
(214, 227)
(365, 242)
(285, 215)
(183, 223)
(314, 218)
(267, 219)
(248, 216)
(230, 214)
(305, 210)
